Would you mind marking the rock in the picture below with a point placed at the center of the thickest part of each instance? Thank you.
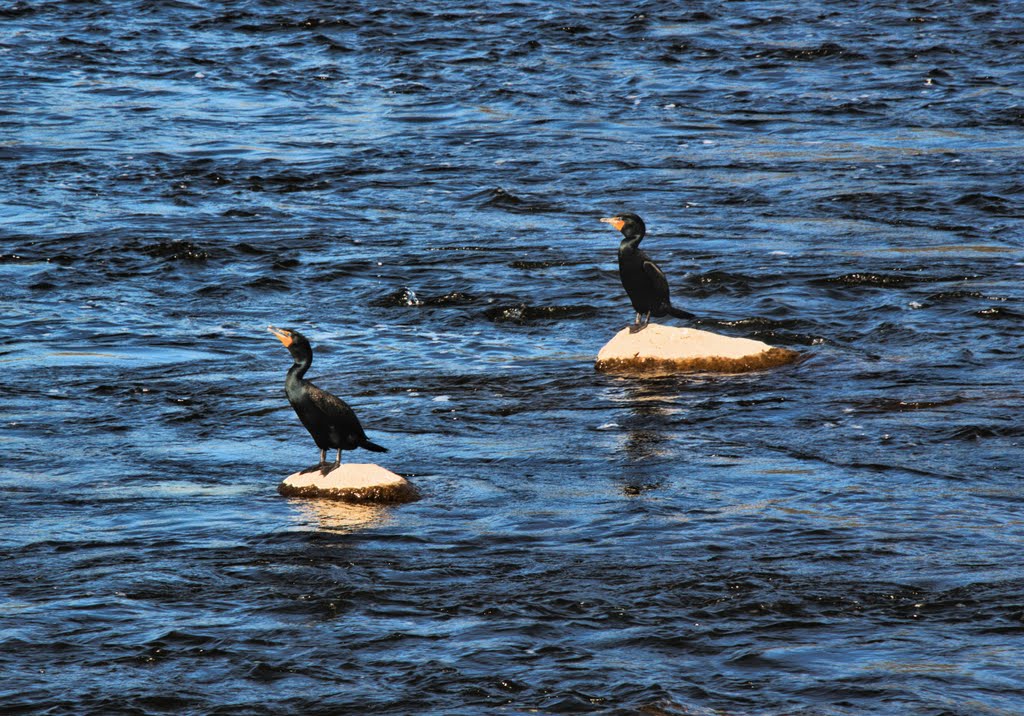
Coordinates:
(349, 482)
(661, 349)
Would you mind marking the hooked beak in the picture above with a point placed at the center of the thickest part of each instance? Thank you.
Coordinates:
(615, 221)
(281, 336)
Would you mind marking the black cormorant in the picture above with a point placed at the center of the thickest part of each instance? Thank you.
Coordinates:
(644, 282)
(329, 419)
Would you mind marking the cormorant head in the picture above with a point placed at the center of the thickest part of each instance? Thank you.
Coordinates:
(296, 343)
(631, 225)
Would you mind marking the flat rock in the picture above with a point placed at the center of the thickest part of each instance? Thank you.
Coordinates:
(662, 349)
(357, 483)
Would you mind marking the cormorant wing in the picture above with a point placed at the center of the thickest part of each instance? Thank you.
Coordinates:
(659, 283)
(331, 405)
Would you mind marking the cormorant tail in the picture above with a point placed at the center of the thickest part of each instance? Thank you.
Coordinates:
(372, 447)
(679, 313)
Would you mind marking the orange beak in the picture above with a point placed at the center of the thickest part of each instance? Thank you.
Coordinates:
(281, 335)
(615, 221)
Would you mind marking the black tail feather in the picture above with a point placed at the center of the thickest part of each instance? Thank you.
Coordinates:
(372, 447)
(679, 313)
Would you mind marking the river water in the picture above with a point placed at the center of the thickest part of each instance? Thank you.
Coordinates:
(417, 188)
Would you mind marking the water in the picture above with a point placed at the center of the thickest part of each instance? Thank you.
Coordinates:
(416, 186)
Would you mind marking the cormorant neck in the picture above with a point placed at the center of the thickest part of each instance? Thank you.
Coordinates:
(300, 366)
(630, 241)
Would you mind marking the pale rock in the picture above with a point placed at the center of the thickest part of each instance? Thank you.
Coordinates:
(667, 349)
(359, 483)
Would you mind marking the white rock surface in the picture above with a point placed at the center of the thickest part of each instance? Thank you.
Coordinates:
(669, 349)
(350, 482)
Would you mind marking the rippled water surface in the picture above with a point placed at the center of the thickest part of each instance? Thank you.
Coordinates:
(416, 186)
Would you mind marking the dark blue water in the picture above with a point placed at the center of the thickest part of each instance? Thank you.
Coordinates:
(417, 187)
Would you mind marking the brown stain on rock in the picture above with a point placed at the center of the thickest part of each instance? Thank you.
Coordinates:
(771, 358)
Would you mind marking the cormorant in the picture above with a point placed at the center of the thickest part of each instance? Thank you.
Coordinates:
(329, 419)
(644, 282)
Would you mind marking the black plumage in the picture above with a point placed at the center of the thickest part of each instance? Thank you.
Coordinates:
(644, 282)
(328, 418)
